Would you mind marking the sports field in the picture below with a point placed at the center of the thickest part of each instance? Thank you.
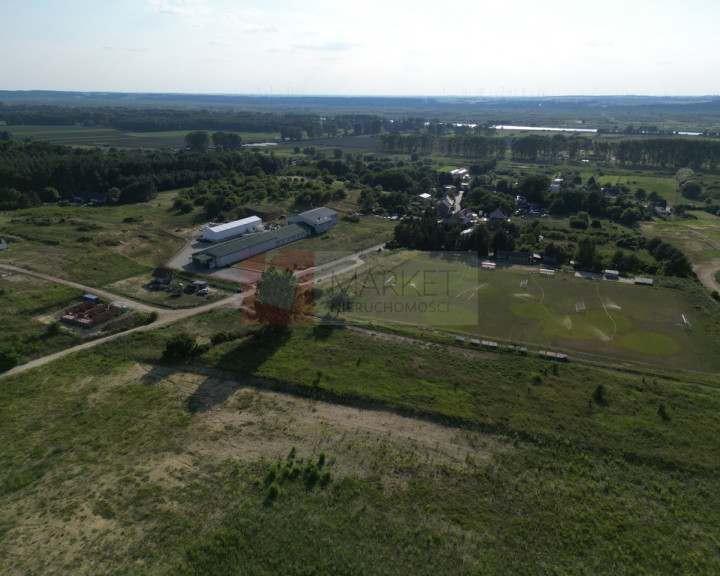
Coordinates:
(522, 306)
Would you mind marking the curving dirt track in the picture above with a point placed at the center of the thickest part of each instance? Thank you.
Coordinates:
(706, 270)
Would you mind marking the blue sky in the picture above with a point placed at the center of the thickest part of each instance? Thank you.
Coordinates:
(373, 47)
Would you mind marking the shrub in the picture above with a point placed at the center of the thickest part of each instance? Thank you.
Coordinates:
(662, 412)
(273, 491)
(325, 479)
(53, 329)
(220, 337)
(312, 474)
(599, 395)
(181, 347)
(272, 474)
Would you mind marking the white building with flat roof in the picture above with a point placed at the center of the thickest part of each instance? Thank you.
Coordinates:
(222, 232)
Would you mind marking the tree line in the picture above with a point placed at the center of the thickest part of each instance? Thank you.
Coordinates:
(35, 172)
(459, 145)
(661, 152)
(292, 125)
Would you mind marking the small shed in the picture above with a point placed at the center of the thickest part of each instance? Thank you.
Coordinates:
(611, 274)
(91, 298)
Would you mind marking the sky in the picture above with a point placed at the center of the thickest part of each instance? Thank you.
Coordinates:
(372, 47)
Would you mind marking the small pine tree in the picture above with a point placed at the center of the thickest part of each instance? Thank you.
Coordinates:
(599, 395)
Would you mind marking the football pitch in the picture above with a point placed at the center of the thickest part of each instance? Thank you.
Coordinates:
(522, 306)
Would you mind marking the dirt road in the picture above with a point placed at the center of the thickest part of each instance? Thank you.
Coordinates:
(706, 270)
(164, 316)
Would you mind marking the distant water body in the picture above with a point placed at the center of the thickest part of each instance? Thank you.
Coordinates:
(543, 128)
(552, 129)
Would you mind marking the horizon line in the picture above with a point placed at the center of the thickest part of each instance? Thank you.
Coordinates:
(322, 95)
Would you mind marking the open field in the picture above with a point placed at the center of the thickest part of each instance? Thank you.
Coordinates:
(113, 464)
(386, 446)
(518, 305)
(95, 245)
(112, 138)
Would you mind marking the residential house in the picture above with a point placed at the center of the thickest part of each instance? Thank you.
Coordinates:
(497, 214)
(465, 216)
(445, 207)
(163, 276)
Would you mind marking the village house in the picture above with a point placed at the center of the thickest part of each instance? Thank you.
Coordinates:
(498, 214)
(465, 216)
(445, 207)
(163, 276)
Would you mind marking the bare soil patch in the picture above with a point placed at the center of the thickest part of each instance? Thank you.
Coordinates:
(253, 424)
(706, 270)
(65, 521)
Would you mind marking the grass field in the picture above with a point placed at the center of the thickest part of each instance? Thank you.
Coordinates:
(698, 236)
(112, 138)
(114, 464)
(330, 450)
(655, 325)
(95, 245)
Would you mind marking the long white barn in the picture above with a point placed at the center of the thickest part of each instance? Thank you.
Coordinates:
(222, 232)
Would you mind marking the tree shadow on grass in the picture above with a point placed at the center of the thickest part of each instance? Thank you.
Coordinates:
(244, 359)
(158, 373)
(325, 331)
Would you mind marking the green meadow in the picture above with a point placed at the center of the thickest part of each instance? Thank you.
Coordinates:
(663, 325)
(110, 137)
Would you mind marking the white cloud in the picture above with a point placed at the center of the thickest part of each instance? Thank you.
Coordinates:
(337, 46)
(126, 48)
(173, 7)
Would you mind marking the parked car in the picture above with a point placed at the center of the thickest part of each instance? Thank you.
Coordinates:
(203, 292)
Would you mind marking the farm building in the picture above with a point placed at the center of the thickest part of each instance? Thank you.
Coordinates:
(240, 249)
(611, 274)
(319, 220)
(91, 298)
(222, 232)
(643, 281)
